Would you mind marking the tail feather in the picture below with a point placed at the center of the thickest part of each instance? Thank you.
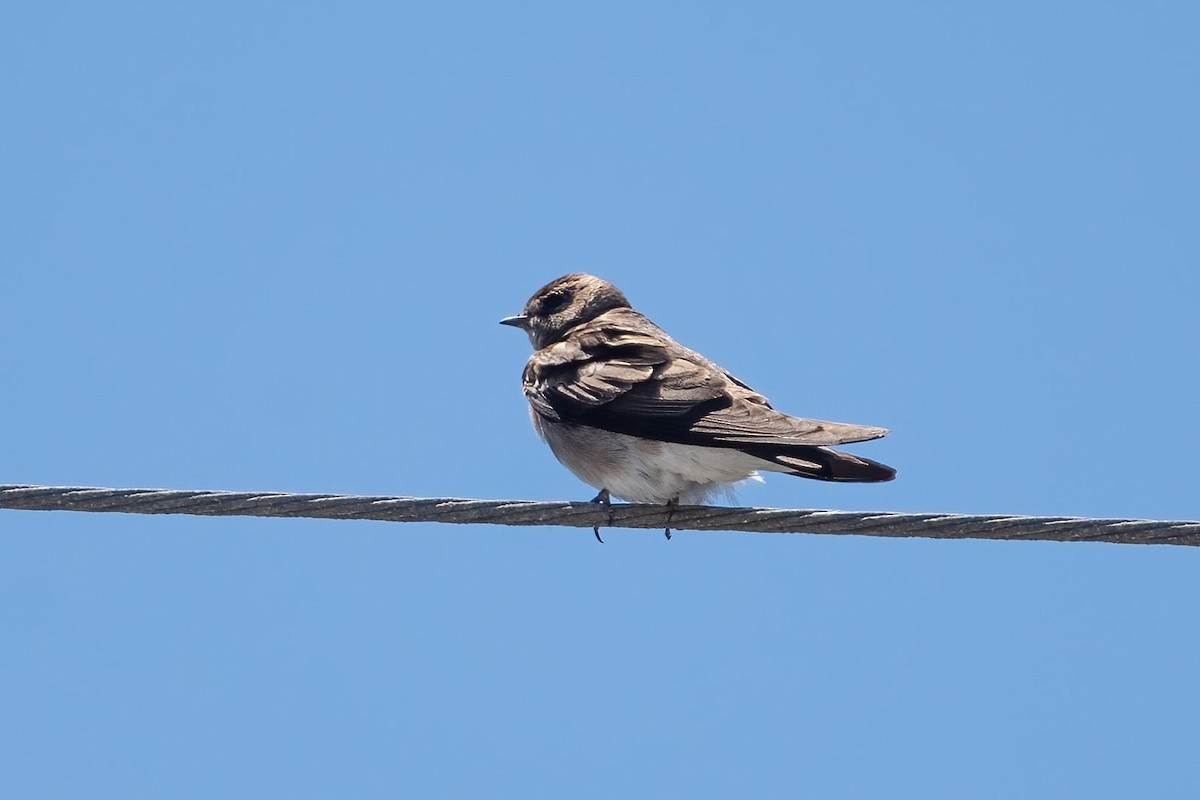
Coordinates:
(824, 464)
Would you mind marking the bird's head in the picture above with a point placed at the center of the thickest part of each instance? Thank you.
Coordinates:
(564, 303)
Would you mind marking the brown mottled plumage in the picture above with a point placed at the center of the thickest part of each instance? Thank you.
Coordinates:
(632, 412)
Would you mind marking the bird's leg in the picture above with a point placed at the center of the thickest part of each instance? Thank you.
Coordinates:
(674, 501)
(603, 499)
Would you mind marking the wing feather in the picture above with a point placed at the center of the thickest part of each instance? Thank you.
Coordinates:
(620, 372)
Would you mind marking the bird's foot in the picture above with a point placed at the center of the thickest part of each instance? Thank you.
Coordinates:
(674, 501)
(604, 500)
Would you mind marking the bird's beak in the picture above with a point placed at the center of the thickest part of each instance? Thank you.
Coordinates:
(519, 321)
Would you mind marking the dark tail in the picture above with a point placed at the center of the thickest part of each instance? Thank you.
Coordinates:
(824, 464)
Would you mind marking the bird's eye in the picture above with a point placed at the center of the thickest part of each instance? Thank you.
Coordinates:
(555, 302)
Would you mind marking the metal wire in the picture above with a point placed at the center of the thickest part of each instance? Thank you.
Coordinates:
(588, 515)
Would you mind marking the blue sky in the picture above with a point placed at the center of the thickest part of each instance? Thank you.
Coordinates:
(265, 246)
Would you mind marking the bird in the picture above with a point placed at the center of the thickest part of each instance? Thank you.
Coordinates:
(642, 418)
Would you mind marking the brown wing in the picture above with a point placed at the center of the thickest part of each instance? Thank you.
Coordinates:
(621, 373)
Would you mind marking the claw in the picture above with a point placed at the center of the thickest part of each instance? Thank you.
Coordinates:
(602, 499)
(674, 501)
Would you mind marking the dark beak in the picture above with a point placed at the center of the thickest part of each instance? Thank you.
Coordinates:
(519, 321)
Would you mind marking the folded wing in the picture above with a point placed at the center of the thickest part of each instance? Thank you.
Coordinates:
(621, 373)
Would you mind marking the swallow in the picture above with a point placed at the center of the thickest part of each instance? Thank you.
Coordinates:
(640, 417)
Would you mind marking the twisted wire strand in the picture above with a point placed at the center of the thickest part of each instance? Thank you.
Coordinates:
(588, 515)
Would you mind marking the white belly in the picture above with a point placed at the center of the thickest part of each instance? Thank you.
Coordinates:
(642, 470)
